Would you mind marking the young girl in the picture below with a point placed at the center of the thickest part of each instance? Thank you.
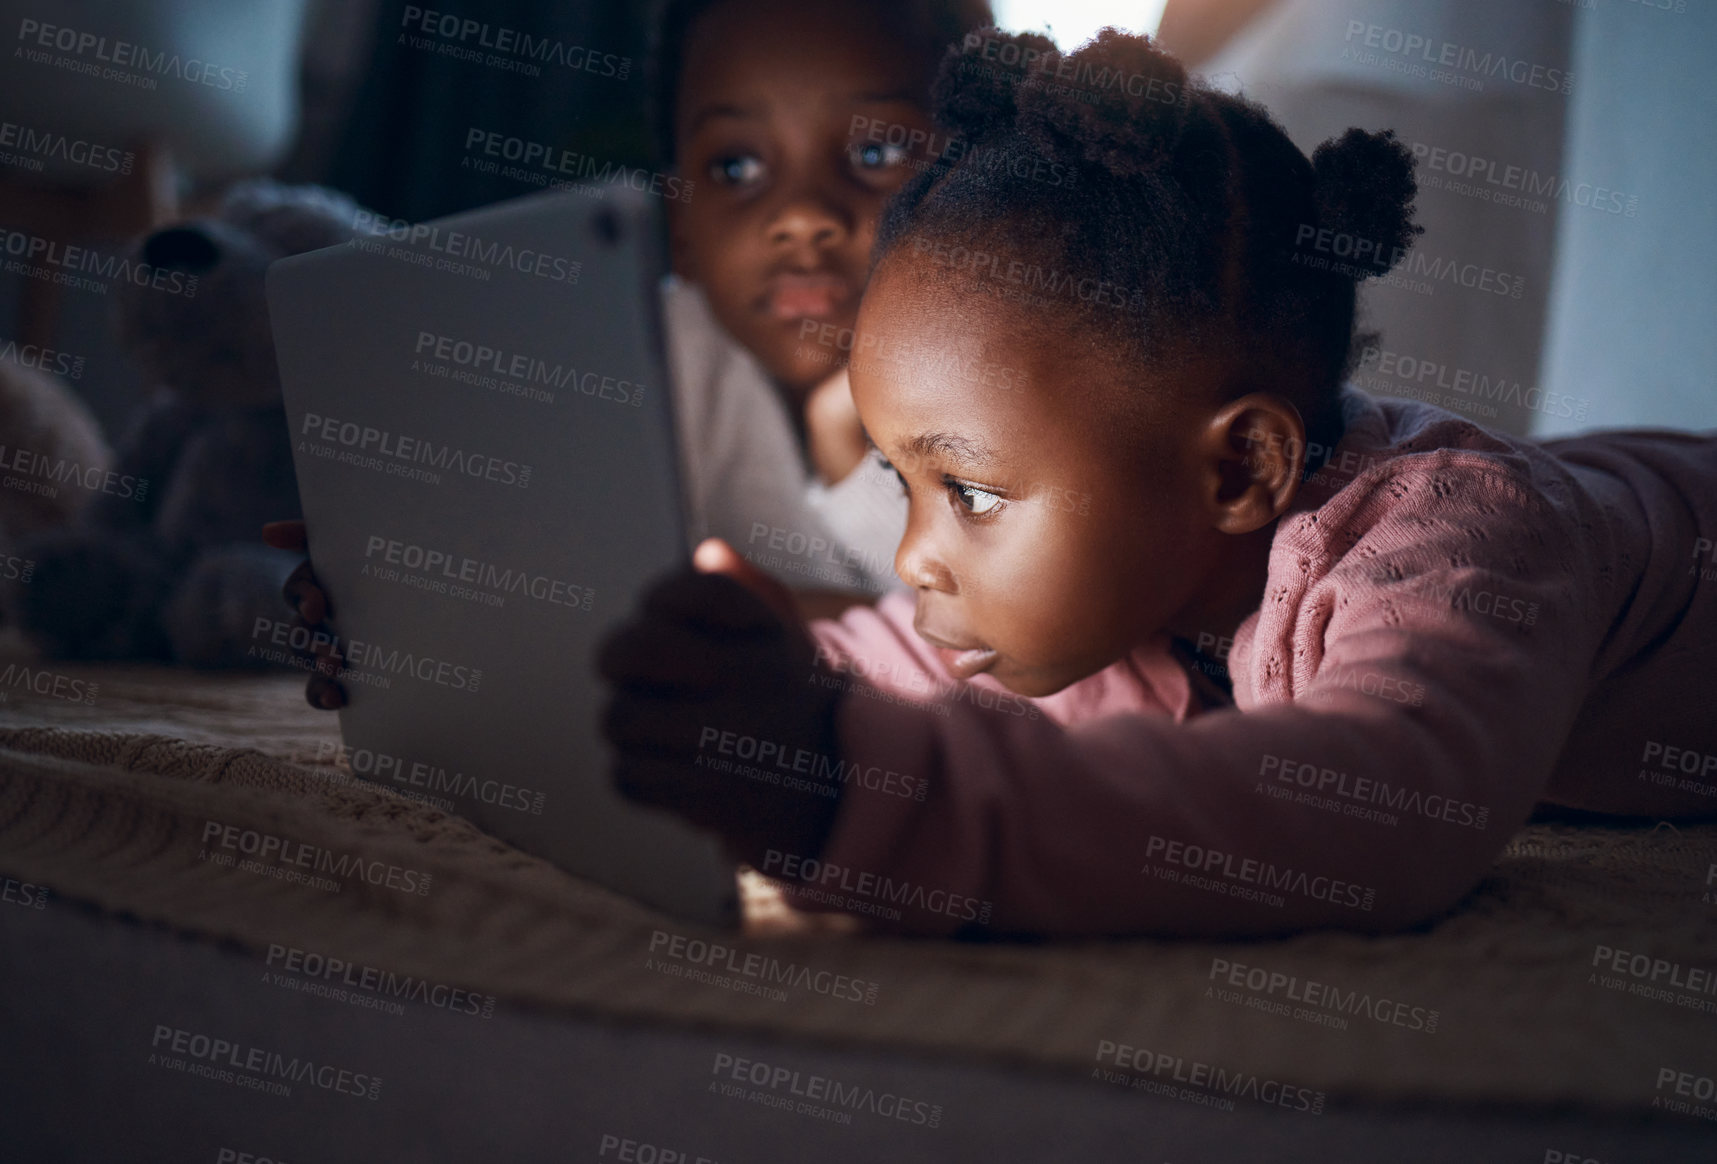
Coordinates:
(1430, 628)
(786, 118)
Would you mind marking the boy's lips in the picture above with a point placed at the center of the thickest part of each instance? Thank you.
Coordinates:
(792, 296)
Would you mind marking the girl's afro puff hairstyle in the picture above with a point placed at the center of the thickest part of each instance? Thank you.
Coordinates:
(1213, 234)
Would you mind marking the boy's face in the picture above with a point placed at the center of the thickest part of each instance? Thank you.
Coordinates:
(778, 229)
(1045, 539)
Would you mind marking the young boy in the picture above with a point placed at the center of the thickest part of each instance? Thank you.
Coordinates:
(781, 114)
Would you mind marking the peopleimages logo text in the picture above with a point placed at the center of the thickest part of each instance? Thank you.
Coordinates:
(414, 450)
(283, 851)
(807, 875)
(763, 967)
(225, 1053)
(823, 1089)
(1432, 51)
(1208, 1078)
(471, 35)
(1246, 876)
(369, 656)
(67, 259)
(123, 54)
(487, 254)
(518, 366)
(37, 145)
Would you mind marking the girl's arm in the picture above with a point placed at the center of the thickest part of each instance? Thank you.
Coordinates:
(1411, 730)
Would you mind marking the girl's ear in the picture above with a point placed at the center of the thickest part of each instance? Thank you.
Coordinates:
(1256, 447)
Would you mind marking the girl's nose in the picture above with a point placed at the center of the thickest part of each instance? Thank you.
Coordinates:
(919, 566)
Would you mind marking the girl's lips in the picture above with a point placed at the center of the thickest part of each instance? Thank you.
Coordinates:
(791, 297)
(963, 664)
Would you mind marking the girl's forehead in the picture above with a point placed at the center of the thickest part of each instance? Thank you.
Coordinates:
(933, 358)
(924, 398)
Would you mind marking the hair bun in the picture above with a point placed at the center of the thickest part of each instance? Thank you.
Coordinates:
(1139, 115)
(1364, 188)
(977, 88)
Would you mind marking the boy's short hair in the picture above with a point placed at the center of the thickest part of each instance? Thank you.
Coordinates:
(935, 24)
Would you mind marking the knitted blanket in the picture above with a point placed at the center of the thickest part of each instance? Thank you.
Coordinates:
(1577, 972)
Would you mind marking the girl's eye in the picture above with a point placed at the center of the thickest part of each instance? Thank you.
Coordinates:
(878, 155)
(738, 170)
(977, 501)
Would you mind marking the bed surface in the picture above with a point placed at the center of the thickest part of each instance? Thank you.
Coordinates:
(106, 802)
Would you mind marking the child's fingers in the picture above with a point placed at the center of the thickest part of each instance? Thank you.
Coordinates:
(285, 535)
(323, 689)
(671, 785)
(678, 729)
(324, 693)
(328, 659)
(666, 656)
(304, 595)
(714, 556)
(648, 726)
(711, 601)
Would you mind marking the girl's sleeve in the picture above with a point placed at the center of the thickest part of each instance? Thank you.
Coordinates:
(1417, 692)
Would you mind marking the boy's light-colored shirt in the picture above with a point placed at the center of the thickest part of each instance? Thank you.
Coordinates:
(744, 475)
(1457, 626)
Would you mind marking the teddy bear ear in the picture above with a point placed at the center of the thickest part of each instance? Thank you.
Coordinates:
(292, 219)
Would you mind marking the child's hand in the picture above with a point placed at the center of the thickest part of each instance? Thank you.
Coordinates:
(714, 657)
(310, 605)
(834, 434)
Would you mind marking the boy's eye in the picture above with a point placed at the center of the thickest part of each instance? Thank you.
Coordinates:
(737, 170)
(977, 501)
(877, 155)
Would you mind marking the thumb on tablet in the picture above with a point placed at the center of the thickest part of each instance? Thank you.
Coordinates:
(715, 556)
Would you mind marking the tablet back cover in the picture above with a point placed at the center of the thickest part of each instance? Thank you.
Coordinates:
(485, 454)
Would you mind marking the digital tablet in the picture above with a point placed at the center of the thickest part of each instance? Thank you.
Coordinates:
(480, 421)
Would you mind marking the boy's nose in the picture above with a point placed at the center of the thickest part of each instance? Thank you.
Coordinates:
(808, 220)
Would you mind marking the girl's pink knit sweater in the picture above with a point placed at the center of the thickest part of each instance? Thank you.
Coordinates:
(1457, 626)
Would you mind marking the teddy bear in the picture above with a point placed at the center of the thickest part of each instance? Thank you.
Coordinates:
(165, 562)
